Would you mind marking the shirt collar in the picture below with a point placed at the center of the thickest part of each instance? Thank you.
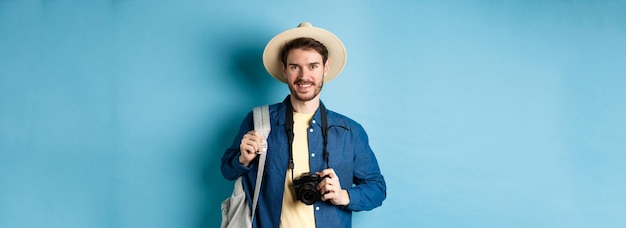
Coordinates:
(317, 117)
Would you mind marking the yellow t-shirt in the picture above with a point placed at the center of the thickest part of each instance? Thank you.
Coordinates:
(295, 213)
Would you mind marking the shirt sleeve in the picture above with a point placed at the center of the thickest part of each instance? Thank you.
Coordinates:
(230, 166)
(369, 188)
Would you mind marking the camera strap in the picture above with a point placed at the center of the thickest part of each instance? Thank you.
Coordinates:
(289, 131)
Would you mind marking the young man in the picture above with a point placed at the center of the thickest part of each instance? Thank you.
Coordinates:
(321, 151)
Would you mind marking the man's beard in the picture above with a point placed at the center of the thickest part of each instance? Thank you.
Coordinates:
(302, 97)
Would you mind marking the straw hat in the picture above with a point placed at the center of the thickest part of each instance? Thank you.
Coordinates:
(273, 50)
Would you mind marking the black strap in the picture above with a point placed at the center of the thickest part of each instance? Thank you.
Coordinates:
(325, 132)
(289, 131)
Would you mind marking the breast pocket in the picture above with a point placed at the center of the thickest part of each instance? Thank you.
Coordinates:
(341, 154)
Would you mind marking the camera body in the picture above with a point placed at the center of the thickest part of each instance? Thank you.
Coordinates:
(306, 187)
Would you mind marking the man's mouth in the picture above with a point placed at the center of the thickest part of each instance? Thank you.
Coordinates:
(304, 85)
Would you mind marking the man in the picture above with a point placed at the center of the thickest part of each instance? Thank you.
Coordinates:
(306, 137)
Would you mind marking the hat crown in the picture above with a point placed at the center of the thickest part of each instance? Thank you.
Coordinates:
(305, 24)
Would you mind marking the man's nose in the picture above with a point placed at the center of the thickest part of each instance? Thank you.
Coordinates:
(307, 71)
(303, 72)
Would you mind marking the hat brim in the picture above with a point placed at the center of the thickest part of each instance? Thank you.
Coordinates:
(273, 50)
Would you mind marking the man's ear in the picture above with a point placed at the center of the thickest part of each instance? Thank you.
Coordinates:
(326, 67)
(284, 70)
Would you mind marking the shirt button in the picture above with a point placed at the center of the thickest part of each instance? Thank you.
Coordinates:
(317, 208)
(311, 130)
(312, 154)
(313, 121)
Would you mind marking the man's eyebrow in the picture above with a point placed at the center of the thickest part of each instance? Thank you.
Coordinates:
(309, 64)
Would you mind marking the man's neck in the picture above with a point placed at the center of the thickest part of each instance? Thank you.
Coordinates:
(305, 106)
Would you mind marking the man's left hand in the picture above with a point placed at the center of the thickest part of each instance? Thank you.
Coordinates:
(331, 188)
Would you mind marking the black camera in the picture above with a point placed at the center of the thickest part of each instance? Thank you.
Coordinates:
(306, 187)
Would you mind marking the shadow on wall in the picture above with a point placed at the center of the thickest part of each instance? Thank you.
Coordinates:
(241, 57)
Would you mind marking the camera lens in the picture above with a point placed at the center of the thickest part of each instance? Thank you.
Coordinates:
(308, 194)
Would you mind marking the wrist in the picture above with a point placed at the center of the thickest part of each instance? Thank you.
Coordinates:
(345, 198)
(243, 161)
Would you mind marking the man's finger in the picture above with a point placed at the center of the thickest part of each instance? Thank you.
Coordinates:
(328, 173)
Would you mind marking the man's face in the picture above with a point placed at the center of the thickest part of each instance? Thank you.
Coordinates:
(305, 73)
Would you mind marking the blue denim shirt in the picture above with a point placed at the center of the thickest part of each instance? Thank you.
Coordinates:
(349, 155)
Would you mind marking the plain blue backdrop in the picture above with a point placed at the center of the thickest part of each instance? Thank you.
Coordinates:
(482, 113)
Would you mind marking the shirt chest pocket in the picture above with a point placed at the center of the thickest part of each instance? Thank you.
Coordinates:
(341, 152)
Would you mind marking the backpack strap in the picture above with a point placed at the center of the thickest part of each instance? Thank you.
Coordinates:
(261, 116)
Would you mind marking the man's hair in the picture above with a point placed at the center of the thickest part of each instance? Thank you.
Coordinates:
(304, 43)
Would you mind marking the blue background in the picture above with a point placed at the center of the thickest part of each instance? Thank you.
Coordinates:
(482, 113)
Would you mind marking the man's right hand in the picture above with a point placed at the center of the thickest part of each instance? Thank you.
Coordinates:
(250, 145)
